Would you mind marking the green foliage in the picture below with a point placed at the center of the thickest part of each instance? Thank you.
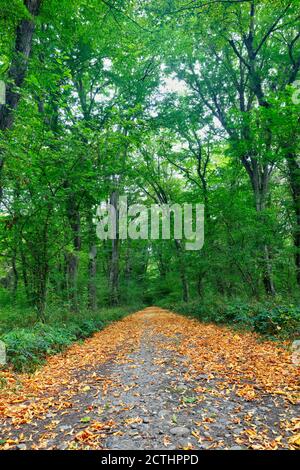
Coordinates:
(268, 319)
(16, 315)
(28, 347)
(167, 102)
(277, 320)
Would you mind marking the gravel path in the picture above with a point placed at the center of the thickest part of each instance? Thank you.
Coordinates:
(158, 408)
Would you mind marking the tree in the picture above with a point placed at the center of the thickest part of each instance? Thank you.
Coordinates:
(18, 65)
(234, 73)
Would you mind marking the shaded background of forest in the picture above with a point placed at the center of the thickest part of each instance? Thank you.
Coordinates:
(166, 102)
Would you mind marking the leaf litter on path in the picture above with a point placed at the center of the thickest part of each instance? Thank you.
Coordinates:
(123, 387)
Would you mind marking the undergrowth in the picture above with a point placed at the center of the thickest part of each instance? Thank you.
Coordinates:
(271, 320)
(27, 347)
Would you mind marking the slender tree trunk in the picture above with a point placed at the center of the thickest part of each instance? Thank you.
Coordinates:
(40, 272)
(200, 284)
(15, 274)
(92, 289)
(162, 265)
(114, 264)
(24, 272)
(128, 267)
(73, 257)
(72, 269)
(92, 268)
(114, 273)
(268, 272)
(61, 268)
(182, 270)
(260, 184)
(40, 292)
(294, 177)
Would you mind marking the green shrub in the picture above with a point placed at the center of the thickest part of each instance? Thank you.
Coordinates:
(268, 319)
(277, 320)
(28, 347)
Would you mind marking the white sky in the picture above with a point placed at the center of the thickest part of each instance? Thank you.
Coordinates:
(171, 84)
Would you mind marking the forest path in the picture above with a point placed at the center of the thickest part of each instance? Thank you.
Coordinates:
(156, 380)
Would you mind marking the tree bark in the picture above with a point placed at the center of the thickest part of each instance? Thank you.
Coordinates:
(92, 267)
(40, 291)
(24, 271)
(73, 257)
(260, 177)
(182, 270)
(17, 70)
(114, 265)
(259, 173)
(294, 177)
(92, 289)
(15, 274)
(200, 284)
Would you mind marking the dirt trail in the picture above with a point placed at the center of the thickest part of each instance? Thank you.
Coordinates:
(157, 380)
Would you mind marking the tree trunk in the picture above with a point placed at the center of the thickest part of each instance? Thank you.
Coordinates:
(260, 184)
(40, 295)
(114, 264)
(92, 290)
(24, 271)
(294, 177)
(17, 70)
(92, 267)
(268, 274)
(182, 270)
(72, 269)
(39, 284)
(200, 284)
(15, 274)
(73, 257)
(161, 262)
